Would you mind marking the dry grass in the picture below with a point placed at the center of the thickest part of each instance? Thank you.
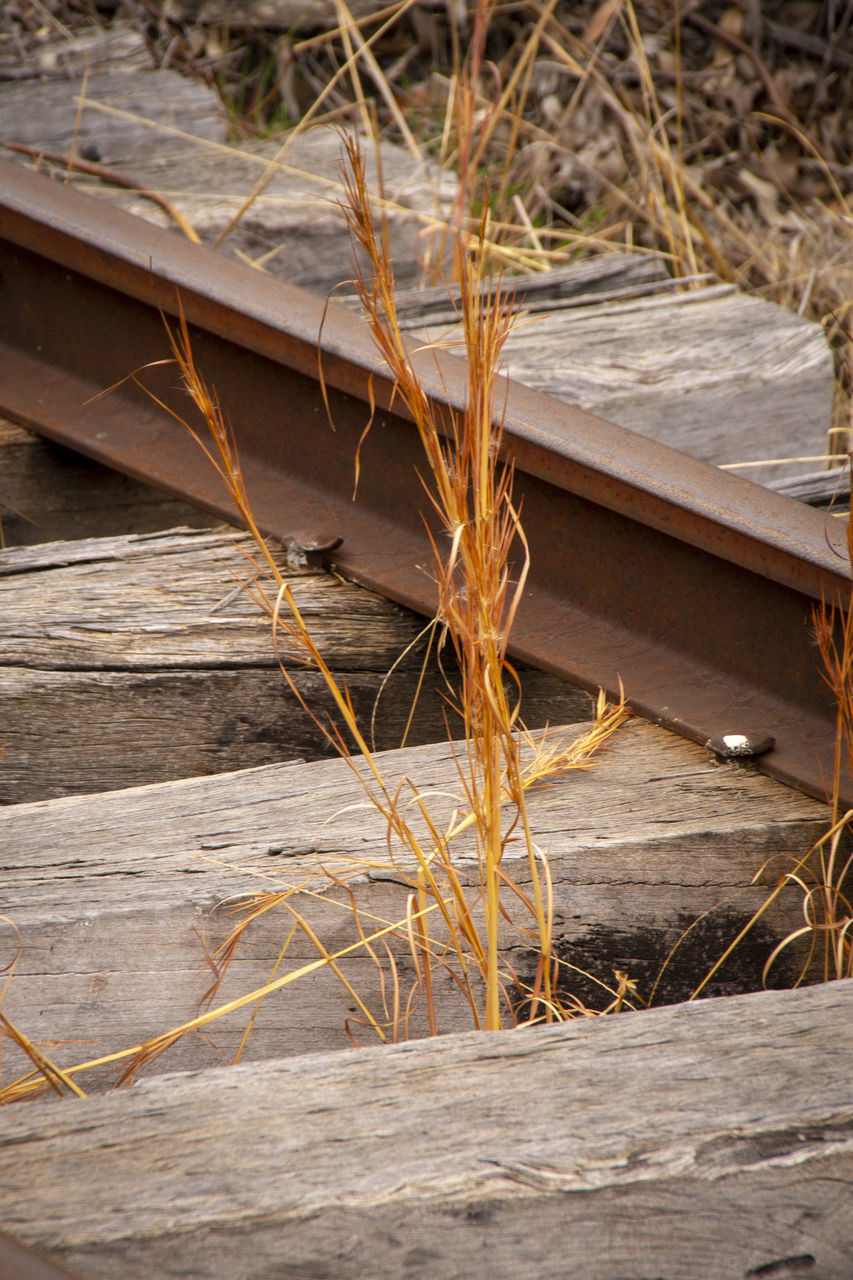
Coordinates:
(479, 588)
(822, 876)
(458, 912)
(617, 124)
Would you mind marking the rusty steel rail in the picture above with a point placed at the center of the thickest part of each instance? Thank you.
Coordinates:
(693, 587)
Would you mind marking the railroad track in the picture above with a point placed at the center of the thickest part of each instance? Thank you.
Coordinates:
(693, 588)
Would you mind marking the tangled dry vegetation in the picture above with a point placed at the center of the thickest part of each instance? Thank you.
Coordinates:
(717, 135)
(456, 914)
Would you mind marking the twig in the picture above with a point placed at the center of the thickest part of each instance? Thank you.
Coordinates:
(734, 42)
(108, 175)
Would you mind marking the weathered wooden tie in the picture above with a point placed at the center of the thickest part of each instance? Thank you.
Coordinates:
(704, 369)
(141, 659)
(113, 894)
(168, 134)
(49, 493)
(712, 1140)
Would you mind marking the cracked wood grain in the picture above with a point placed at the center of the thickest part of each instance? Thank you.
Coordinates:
(712, 1139)
(139, 659)
(112, 894)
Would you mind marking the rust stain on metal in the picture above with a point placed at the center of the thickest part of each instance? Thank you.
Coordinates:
(692, 586)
